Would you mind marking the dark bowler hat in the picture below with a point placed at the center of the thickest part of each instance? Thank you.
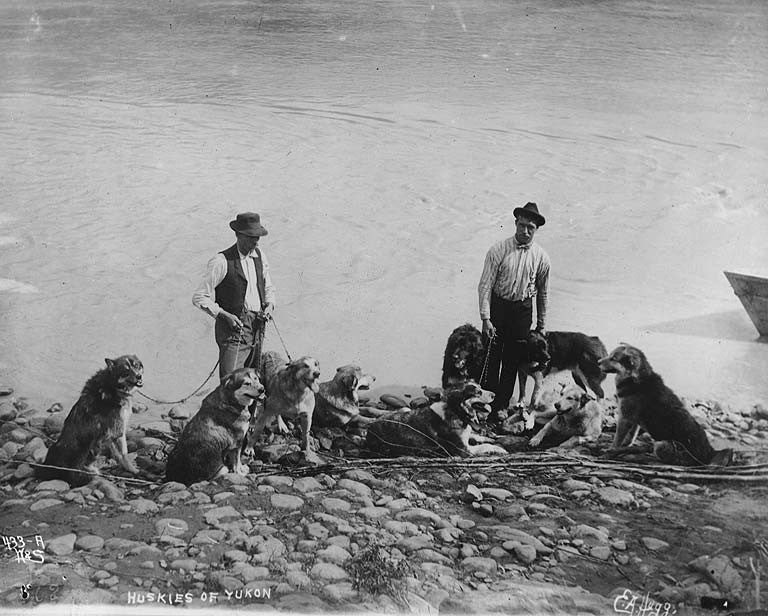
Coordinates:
(531, 211)
(248, 223)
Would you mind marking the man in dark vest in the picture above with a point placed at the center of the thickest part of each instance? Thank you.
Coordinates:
(237, 291)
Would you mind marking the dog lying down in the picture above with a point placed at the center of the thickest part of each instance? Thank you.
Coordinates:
(290, 388)
(99, 417)
(337, 403)
(646, 402)
(579, 420)
(442, 429)
(211, 441)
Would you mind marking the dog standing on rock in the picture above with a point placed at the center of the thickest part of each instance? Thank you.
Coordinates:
(100, 416)
(556, 351)
(646, 402)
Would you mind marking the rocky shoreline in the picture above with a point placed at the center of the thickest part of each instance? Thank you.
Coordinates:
(527, 533)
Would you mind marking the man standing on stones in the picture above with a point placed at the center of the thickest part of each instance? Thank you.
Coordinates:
(516, 271)
(238, 292)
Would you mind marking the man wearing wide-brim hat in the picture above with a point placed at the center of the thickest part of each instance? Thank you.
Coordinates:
(516, 273)
(237, 291)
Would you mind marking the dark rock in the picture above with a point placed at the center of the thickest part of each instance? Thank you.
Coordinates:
(484, 509)
(393, 401)
(420, 402)
(7, 412)
(472, 494)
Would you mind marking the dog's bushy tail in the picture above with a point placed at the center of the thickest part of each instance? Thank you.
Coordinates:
(66, 467)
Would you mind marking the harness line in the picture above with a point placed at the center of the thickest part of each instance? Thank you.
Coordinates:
(487, 357)
(240, 345)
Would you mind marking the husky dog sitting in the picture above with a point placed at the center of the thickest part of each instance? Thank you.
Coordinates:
(99, 417)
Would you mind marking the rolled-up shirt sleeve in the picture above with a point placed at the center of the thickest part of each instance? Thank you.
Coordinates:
(269, 288)
(204, 296)
(542, 291)
(487, 280)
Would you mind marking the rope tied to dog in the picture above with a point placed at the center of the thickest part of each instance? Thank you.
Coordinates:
(83, 471)
(285, 348)
(483, 374)
(256, 362)
(185, 398)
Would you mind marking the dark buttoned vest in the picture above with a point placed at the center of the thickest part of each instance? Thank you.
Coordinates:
(230, 293)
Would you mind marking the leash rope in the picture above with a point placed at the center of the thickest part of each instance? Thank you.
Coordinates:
(85, 472)
(240, 345)
(285, 348)
(239, 339)
(403, 446)
(208, 378)
(483, 374)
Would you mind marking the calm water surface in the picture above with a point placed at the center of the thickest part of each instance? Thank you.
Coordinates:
(385, 145)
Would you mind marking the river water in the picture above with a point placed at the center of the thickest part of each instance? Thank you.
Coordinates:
(385, 144)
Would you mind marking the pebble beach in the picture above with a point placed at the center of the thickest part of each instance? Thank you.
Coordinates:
(539, 532)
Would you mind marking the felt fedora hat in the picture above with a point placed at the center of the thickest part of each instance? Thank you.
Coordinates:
(530, 210)
(248, 223)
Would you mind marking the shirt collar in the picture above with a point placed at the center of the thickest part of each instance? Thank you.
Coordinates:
(517, 245)
(250, 254)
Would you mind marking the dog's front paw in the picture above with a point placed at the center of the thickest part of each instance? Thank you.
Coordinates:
(242, 469)
(535, 442)
(281, 426)
(529, 420)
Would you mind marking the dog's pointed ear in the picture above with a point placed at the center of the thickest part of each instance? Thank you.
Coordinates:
(471, 389)
(438, 408)
(110, 362)
(228, 382)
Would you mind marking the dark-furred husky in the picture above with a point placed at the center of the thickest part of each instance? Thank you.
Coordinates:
(100, 416)
(646, 402)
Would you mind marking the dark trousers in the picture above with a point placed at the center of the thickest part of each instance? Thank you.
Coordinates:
(512, 321)
(239, 348)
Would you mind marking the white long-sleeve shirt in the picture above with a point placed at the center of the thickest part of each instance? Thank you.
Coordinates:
(515, 272)
(204, 296)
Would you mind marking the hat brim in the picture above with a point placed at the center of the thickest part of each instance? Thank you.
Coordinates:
(537, 218)
(250, 231)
